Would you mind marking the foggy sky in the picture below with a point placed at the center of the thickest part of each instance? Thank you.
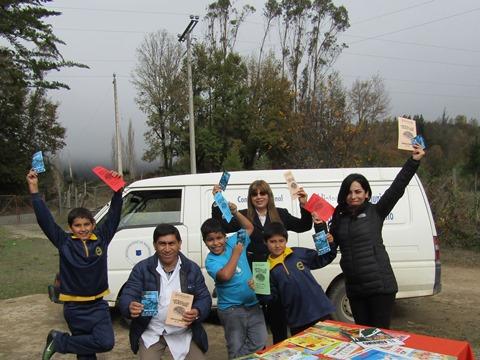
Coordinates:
(427, 52)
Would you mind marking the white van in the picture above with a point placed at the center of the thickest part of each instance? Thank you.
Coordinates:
(185, 201)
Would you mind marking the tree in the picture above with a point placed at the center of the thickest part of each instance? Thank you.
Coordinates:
(162, 95)
(31, 43)
(369, 100)
(28, 123)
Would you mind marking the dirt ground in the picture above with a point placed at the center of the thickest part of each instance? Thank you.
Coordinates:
(454, 313)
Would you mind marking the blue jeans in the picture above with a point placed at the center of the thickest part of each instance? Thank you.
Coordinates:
(91, 327)
(245, 330)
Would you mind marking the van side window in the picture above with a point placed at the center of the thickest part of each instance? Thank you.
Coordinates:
(142, 208)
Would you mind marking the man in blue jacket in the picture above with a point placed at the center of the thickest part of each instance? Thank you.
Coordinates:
(157, 277)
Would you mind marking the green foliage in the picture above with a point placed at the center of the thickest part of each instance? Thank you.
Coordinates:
(32, 45)
(28, 123)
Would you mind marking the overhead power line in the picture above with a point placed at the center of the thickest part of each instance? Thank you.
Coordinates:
(391, 13)
(418, 25)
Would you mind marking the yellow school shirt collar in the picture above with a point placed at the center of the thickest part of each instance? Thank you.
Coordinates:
(92, 237)
(279, 259)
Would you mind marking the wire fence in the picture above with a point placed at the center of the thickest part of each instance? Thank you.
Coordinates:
(17, 209)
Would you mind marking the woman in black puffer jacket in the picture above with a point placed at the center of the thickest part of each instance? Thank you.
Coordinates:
(356, 227)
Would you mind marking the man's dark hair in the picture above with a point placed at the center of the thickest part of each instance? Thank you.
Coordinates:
(274, 228)
(166, 229)
(211, 226)
(79, 212)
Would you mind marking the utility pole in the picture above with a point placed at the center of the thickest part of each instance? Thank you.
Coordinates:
(191, 125)
(117, 128)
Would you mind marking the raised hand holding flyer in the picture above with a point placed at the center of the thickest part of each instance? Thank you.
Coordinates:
(37, 162)
(242, 236)
(224, 180)
(115, 183)
(223, 205)
(261, 277)
(292, 184)
(179, 303)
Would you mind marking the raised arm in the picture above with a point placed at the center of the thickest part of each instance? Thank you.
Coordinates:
(241, 219)
(44, 217)
(397, 188)
(227, 272)
(233, 225)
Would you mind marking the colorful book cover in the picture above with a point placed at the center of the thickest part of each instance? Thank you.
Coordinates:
(311, 341)
(287, 354)
(328, 330)
(321, 243)
(115, 183)
(417, 354)
(150, 303)
(372, 337)
(376, 354)
(340, 350)
(37, 162)
(261, 277)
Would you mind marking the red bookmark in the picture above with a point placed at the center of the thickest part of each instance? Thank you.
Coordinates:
(115, 183)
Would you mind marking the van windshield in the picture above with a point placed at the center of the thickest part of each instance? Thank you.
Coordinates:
(153, 207)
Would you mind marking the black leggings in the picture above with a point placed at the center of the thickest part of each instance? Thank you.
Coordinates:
(374, 310)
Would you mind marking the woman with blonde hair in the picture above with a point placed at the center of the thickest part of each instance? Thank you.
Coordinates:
(261, 211)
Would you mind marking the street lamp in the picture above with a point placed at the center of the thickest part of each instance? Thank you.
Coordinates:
(181, 38)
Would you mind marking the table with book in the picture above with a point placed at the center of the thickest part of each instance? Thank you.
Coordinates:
(336, 340)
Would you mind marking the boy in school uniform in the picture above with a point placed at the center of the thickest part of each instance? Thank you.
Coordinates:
(238, 307)
(291, 281)
(83, 276)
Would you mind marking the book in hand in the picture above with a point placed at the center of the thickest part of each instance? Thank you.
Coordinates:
(321, 207)
(150, 303)
(407, 130)
(115, 183)
(37, 162)
(179, 303)
(371, 337)
(224, 180)
(261, 277)
(321, 243)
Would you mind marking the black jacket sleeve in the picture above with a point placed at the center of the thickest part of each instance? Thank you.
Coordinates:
(397, 188)
(293, 223)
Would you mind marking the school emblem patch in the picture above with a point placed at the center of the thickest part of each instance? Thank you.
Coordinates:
(98, 251)
(300, 266)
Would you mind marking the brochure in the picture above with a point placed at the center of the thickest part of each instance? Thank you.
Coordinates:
(291, 184)
(37, 162)
(321, 243)
(242, 236)
(224, 180)
(223, 205)
(115, 183)
(261, 277)
(407, 130)
(419, 140)
(179, 303)
(150, 303)
(321, 207)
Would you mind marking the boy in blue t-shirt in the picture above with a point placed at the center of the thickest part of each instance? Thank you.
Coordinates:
(238, 307)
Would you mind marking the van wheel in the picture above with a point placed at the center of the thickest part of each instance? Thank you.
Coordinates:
(338, 296)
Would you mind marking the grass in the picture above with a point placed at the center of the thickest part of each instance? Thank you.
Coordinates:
(28, 265)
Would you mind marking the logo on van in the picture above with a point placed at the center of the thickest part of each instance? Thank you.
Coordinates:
(136, 251)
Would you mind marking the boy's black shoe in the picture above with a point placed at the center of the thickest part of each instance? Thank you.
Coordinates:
(50, 345)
